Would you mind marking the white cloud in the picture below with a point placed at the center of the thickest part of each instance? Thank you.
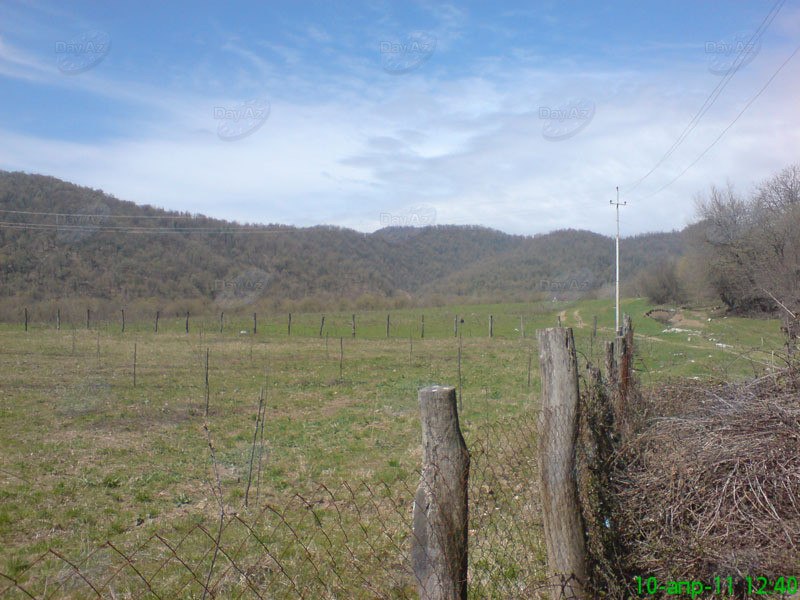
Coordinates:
(344, 145)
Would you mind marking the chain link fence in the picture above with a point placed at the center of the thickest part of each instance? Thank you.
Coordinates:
(349, 541)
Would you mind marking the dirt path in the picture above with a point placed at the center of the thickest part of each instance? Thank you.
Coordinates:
(576, 315)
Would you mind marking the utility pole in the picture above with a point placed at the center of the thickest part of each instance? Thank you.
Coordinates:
(616, 307)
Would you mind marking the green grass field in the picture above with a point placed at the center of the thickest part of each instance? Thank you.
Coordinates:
(88, 457)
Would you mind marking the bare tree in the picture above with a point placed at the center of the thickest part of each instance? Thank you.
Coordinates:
(751, 246)
(727, 247)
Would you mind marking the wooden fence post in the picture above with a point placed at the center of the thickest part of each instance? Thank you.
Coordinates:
(557, 433)
(611, 365)
(221, 317)
(122, 310)
(354, 325)
(491, 325)
(255, 324)
(26, 319)
(87, 318)
(321, 325)
(156, 330)
(521, 327)
(422, 333)
(455, 327)
(624, 367)
(439, 540)
(612, 378)
(187, 321)
(387, 325)
(58, 319)
(289, 327)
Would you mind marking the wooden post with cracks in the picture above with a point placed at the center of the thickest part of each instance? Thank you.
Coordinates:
(557, 434)
(439, 540)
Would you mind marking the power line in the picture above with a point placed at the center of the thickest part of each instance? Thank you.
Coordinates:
(724, 131)
(102, 215)
(716, 92)
(134, 229)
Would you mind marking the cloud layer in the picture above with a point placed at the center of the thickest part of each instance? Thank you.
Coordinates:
(463, 131)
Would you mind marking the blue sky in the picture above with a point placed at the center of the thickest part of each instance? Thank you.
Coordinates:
(519, 116)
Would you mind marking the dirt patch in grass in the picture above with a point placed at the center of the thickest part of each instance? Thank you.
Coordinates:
(680, 320)
(673, 317)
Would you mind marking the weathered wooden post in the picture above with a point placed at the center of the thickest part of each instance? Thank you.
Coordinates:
(611, 365)
(122, 310)
(134, 364)
(624, 367)
(439, 540)
(289, 328)
(559, 320)
(455, 327)
(354, 325)
(624, 347)
(221, 317)
(557, 433)
(594, 326)
(612, 379)
(422, 334)
(491, 325)
(87, 318)
(156, 329)
(521, 327)
(187, 321)
(387, 325)
(321, 325)
(26, 319)
(255, 323)
(58, 319)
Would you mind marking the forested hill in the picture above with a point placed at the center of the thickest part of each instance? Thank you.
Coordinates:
(60, 240)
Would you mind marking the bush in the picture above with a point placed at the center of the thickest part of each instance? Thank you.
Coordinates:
(661, 284)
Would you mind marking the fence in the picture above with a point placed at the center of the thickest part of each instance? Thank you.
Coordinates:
(372, 324)
(348, 541)
(577, 439)
(430, 534)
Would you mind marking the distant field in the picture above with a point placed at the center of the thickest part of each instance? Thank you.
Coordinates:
(87, 457)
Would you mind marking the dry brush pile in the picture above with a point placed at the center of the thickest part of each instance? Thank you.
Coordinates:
(708, 482)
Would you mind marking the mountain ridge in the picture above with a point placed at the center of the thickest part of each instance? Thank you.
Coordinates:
(61, 240)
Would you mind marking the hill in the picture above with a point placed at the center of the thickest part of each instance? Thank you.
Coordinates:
(59, 240)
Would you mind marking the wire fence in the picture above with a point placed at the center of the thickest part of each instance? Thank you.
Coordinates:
(347, 541)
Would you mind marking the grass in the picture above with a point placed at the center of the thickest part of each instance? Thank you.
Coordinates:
(88, 458)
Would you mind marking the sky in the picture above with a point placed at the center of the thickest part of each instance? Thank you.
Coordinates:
(520, 116)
